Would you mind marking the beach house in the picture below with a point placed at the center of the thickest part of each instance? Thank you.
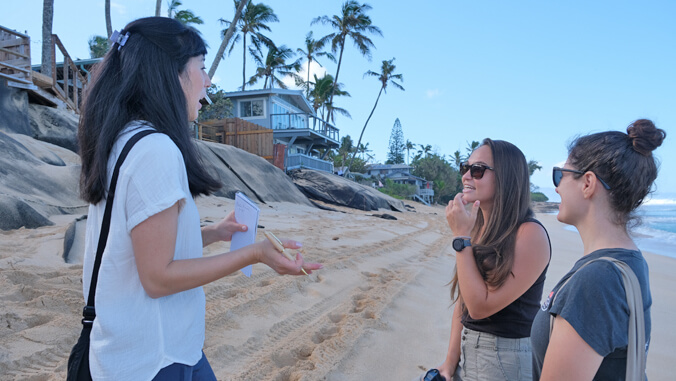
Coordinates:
(401, 174)
(295, 124)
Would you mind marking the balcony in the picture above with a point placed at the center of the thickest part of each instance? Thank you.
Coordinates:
(425, 192)
(302, 121)
(299, 160)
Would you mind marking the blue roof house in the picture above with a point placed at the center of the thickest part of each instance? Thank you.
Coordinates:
(294, 123)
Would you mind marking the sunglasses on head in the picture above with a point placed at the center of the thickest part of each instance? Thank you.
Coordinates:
(475, 170)
(557, 175)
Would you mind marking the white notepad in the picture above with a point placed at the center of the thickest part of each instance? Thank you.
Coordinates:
(246, 213)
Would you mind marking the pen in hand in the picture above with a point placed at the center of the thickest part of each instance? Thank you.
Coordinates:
(280, 247)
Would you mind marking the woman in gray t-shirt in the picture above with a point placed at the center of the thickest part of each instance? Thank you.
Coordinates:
(606, 177)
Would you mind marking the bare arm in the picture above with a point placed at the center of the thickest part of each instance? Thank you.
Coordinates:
(221, 231)
(568, 356)
(154, 243)
(447, 369)
(531, 255)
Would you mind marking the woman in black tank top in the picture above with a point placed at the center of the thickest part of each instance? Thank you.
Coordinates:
(502, 256)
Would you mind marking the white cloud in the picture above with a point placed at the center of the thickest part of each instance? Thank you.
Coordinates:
(433, 93)
(120, 8)
(216, 80)
(314, 69)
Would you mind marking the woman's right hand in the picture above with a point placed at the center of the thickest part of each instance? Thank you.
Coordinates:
(447, 369)
(282, 265)
(460, 220)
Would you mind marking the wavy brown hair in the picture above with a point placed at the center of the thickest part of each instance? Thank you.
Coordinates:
(493, 246)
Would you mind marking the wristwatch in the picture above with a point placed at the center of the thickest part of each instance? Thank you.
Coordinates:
(460, 243)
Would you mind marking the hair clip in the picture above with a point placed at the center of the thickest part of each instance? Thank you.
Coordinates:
(117, 38)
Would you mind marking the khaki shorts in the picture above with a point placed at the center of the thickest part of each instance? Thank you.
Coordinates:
(486, 357)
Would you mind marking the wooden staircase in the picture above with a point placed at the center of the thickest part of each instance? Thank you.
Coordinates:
(62, 89)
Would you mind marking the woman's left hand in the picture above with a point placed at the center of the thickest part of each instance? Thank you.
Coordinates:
(223, 230)
(460, 220)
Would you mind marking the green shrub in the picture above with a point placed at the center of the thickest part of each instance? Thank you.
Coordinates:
(538, 197)
(401, 191)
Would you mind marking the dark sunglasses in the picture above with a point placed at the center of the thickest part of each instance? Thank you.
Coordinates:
(475, 170)
(557, 174)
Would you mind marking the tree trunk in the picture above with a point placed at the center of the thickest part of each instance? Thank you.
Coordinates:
(109, 24)
(47, 45)
(364, 129)
(335, 80)
(243, 61)
(158, 8)
(226, 38)
(309, 62)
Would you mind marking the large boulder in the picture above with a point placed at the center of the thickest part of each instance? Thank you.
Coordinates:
(56, 126)
(16, 213)
(38, 179)
(337, 190)
(14, 110)
(252, 175)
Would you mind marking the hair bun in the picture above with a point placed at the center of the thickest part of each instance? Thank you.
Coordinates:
(645, 137)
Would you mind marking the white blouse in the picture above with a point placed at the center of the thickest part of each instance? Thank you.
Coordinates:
(134, 336)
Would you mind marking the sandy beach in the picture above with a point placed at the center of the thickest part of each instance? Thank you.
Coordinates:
(379, 310)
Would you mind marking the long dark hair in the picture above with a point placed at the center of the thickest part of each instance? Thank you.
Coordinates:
(624, 161)
(493, 246)
(140, 81)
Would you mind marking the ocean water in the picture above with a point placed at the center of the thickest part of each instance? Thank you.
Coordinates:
(657, 231)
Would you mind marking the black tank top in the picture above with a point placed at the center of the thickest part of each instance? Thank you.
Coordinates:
(515, 320)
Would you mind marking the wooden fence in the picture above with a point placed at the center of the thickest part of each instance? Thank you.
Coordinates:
(245, 135)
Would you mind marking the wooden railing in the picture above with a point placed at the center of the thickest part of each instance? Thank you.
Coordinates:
(68, 83)
(15, 56)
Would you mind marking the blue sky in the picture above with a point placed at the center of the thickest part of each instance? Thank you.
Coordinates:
(535, 73)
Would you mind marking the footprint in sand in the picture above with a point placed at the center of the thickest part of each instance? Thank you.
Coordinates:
(324, 334)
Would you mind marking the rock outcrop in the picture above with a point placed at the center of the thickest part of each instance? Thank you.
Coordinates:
(333, 189)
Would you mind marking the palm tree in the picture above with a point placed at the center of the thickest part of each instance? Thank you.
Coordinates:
(109, 24)
(275, 62)
(471, 147)
(351, 22)
(321, 93)
(385, 77)
(158, 8)
(424, 150)
(409, 146)
(185, 17)
(364, 150)
(227, 35)
(457, 159)
(252, 20)
(47, 21)
(346, 148)
(313, 50)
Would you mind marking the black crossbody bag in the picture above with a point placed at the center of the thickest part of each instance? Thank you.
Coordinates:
(78, 361)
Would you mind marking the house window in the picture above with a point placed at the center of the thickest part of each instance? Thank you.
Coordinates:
(252, 109)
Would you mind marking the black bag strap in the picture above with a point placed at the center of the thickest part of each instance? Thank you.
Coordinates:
(89, 312)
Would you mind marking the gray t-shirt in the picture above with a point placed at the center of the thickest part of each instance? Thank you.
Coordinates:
(594, 303)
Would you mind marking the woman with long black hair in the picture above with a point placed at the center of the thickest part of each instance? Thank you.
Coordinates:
(150, 306)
